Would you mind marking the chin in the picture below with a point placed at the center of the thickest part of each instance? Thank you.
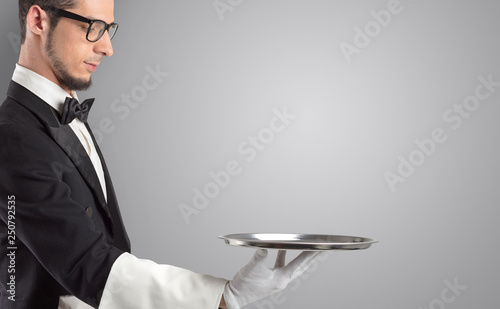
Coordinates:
(78, 84)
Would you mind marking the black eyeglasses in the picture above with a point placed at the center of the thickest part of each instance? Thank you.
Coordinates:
(96, 28)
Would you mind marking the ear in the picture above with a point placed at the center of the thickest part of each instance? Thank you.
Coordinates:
(37, 21)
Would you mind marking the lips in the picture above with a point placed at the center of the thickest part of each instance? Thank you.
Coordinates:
(91, 66)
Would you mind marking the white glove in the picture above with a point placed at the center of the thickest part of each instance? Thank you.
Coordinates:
(256, 280)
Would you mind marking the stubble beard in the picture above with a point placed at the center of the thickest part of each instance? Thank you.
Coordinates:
(61, 71)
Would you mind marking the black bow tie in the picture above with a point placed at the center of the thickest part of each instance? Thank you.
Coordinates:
(72, 109)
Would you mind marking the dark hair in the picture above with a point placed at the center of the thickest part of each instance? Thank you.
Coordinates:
(25, 5)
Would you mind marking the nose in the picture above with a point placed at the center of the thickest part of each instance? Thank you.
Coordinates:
(103, 46)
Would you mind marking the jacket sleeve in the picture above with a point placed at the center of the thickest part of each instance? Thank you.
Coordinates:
(65, 241)
(51, 228)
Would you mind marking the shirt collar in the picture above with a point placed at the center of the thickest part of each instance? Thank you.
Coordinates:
(40, 86)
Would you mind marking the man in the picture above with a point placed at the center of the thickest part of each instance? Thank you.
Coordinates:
(62, 239)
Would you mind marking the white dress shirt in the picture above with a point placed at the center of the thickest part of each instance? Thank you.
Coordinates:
(55, 96)
(132, 283)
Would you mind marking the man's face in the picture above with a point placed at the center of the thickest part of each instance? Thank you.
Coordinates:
(72, 57)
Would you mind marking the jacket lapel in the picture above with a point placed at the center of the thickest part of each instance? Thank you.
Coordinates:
(120, 235)
(69, 142)
(63, 135)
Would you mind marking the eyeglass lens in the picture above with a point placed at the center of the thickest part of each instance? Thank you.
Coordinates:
(97, 28)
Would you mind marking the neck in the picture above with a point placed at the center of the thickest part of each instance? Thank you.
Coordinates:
(31, 58)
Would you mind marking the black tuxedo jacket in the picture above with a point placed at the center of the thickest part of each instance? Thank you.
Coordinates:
(58, 235)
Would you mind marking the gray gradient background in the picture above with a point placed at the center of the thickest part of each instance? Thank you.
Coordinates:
(324, 173)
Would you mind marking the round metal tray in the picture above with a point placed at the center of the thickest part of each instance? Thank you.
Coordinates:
(307, 242)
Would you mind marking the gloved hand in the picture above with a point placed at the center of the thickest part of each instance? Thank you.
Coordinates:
(255, 280)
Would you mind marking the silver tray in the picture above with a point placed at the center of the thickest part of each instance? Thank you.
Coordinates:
(308, 242)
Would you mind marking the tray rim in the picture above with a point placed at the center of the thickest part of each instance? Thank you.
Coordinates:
(232, 240)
